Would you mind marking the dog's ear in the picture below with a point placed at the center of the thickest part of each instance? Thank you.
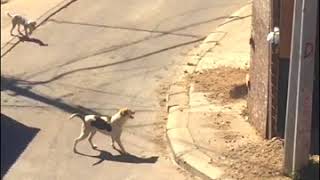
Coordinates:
(33, 23)
(122, 112)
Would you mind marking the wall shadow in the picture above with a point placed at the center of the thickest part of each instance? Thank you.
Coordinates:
(15, 138)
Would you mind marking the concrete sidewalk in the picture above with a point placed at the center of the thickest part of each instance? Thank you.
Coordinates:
(38, 10)
(207, 126)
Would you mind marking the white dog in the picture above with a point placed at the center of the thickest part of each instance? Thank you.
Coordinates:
(111, 126)
(19, 20)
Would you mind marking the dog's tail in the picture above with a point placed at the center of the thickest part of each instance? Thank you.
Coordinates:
(77, 115)
(10, 15)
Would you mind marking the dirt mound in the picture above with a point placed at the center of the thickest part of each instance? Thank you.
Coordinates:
(224, 84)
(256, 161)
(246, 157)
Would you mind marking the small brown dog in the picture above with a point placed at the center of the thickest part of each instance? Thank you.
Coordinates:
(111, 126)
(19, 20)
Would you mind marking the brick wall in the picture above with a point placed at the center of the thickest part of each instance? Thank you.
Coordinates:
(259, 66)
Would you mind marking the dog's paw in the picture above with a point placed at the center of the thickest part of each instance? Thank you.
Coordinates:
(124, 153)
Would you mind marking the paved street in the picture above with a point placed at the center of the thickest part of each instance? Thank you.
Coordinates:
(101, 55)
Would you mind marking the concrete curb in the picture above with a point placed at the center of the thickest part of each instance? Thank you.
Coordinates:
(185, 152)
(40, 20)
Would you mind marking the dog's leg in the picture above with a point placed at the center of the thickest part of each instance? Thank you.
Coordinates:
(121, 146)
(30, 29)
(19, 29)
(90, 139)
(83, 135)
(26, 30)
(112, 142)
(13, 26)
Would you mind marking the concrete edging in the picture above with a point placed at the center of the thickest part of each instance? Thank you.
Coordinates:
(181, 143)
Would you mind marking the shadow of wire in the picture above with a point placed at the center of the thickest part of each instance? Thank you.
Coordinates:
(116, 47)
(116, 63)
(11, 84)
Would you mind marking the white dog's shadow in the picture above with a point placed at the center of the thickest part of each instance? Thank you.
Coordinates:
(126, 158)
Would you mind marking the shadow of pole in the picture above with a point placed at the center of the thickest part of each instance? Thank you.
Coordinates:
(11, 85)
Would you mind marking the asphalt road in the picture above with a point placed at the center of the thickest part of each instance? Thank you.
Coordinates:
(100, 55)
